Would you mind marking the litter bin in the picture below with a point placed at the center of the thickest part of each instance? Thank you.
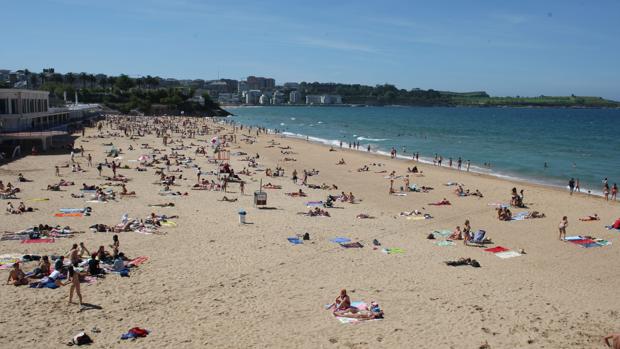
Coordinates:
(242, 214)
(260, 198)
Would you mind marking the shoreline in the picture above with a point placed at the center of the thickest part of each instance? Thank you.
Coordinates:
(474, 169)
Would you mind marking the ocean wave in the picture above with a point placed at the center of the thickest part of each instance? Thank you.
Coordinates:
(360, 138)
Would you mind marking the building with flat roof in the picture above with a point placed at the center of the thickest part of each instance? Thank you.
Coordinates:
(294, 97)
(25, 114)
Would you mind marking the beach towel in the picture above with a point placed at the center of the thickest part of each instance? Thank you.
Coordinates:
(576, 237)
(416, 218)
(445, 243)
(400, 194)
(496, 249)
(96, 202)
(393, 250)
(39, 199)
(68, 215)
(359, 305)
(72, 210)
(444, 233)
(507, 254)
(168, 224)
(352, 245)
(520, 216)
(38, 241)
(295, 241)
(314, 204)
(138, 260)
(339, 240)
(609, 227)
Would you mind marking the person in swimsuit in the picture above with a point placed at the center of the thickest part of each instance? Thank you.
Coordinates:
(562, 227)
(74, 280)
(342, 302)
(17, 276)
(74, 255)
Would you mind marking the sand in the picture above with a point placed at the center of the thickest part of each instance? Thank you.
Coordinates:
(212, 282)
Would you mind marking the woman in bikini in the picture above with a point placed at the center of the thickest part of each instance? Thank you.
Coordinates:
(74, 280)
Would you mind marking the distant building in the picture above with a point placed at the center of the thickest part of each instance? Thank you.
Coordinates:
(242, 86)
(313, 99)
(278, 98)
(252, 96)
(294, 97)
(331, 99)
(291, 85)
(260, 83)
(264, 99)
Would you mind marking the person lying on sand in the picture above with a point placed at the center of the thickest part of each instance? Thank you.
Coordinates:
(53, 187)
(364, 216)
(225, 198)
(169, 204)
(595, 217)
(365, 168)
(299, 193)
(341, 162)
(441, 203)
(21, 178)
(271, 186)
(316, 212)
(374, 312)
(535, 214)
(124, 191)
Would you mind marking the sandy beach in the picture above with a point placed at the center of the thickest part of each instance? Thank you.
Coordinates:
(212, 282)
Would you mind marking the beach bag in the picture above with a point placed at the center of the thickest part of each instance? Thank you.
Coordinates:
(306, 236)
(431, 236)
(81, 339)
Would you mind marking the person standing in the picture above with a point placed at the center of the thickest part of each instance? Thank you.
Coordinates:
(90, 160)
(562, 227)
(606, 191)
(74, 280)
(614, 191)
(468, 163)
(295, 176)
(577, 188)
(571, 185)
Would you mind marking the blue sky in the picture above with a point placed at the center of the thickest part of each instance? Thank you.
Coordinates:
(504, 47)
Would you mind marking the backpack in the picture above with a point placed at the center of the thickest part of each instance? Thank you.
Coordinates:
(81, 339)
(306, 236)
(431, 236)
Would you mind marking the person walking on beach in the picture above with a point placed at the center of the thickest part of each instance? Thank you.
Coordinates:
(90, 160)
(614, 192)
(295, 176)
(74, 280)
(562, 227)
(57, 171)
(99, 167)
(571, 185)
(459, 162)
(468, 163)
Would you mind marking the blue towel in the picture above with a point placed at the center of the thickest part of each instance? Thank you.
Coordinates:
(340, 240)
(295, 241)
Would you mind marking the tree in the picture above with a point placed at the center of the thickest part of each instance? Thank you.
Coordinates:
(83, 78)
(70, 78)
(124, 82)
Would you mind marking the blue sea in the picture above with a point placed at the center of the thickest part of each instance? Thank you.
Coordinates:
(517, 142)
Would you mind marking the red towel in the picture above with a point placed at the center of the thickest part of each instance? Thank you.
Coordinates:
(138, 260)
(496, 249)
(583, 241)
(37, 241)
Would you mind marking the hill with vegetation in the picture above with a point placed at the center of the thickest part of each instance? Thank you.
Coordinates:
(391, 95)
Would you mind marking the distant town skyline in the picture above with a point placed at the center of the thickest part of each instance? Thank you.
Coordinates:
(527, 48)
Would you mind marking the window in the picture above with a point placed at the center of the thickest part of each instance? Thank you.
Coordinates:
(4, 106)
(14, 106)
